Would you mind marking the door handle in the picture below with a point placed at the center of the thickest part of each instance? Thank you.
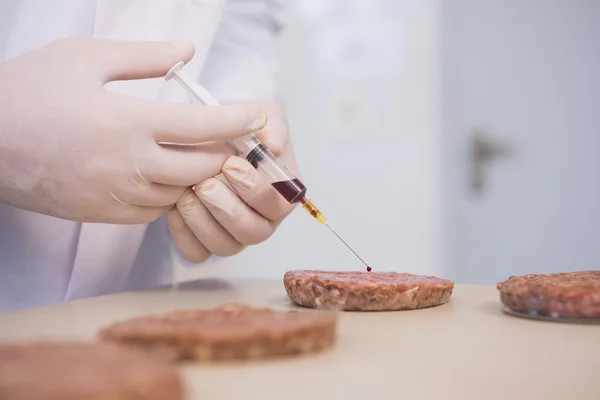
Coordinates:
(484, 150)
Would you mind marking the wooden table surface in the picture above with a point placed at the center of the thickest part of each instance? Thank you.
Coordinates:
(466, 349)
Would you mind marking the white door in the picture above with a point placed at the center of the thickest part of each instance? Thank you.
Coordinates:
(524, 74)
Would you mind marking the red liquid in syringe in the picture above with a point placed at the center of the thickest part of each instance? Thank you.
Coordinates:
(293, 190)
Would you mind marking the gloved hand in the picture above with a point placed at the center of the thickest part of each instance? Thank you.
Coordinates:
(222, 216)
(71, 149)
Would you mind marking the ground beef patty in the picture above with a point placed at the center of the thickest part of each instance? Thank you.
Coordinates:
(566, 295)
(231, 332)
(366, 291)
(74, 371)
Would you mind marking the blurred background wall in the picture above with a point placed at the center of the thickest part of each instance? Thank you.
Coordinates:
(451, 138)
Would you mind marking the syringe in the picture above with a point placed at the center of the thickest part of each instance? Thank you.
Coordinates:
(257, 154)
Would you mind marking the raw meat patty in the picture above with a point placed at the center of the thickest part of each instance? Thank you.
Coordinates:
(231, 332)
(75, 371)
(566, 295)
(365, 291)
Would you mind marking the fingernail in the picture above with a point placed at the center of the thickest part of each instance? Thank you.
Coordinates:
(259, 122)
(240, 172)
(217, 201)
(208, 188)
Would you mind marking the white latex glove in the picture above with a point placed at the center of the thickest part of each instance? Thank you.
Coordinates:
(71, 149)
(222, 218)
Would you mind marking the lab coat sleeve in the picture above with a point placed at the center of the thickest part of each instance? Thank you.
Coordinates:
(242, 63)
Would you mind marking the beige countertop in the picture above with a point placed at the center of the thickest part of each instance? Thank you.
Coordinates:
(466, 349)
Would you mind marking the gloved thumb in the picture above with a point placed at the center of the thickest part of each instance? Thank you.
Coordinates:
(128, 60)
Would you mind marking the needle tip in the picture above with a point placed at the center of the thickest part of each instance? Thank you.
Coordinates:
(346, 244)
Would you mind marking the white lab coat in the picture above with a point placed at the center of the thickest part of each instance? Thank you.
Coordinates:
(47, 260)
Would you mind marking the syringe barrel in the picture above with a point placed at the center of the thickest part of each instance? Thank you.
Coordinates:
(247, 146)
(282, 179)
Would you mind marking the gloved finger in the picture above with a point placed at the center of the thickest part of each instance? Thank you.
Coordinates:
(192, 123)
(130, 59)
(185, 165)
(141, 192)
(255, 189)
(205, 227)
(185, 123)
(184, 239)
(121, 214)
(243, 223)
